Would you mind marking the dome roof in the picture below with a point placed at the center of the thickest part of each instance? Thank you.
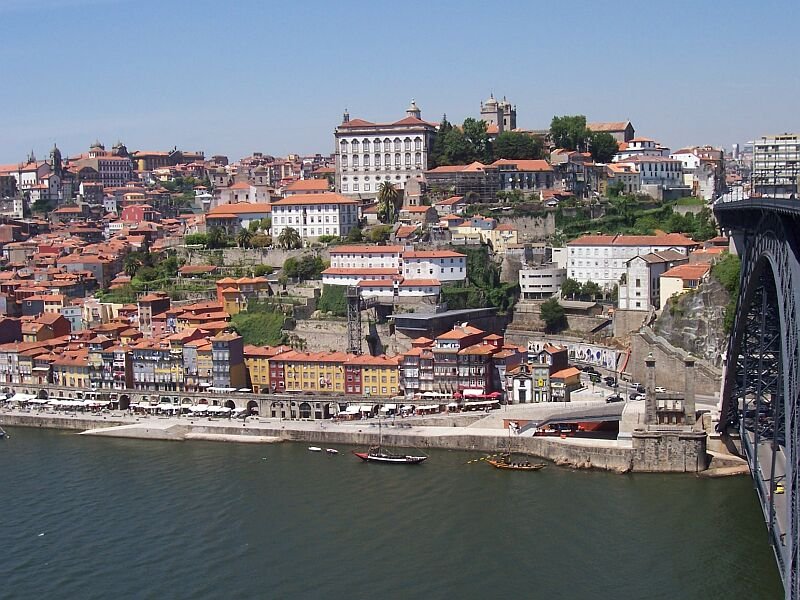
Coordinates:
(491, 100)
(413, 106)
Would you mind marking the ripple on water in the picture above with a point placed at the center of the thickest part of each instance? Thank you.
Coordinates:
(203, 520)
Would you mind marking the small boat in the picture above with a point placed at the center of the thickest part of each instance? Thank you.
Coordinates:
(505, 462)
(331, 451)
(314, 449)
(379, 455)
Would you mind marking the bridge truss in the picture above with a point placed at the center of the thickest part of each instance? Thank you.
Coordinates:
(761, 390)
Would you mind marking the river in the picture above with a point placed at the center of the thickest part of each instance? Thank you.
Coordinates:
(88, 518)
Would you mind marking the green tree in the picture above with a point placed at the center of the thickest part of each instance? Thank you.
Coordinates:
(552, 313)
(290, 239)
(131, 264)
(261, 240)
(253, 226)
(615, 189)
(195, 239)
(478, 140)
(355, 235)
(216, 237)
(591, 290)
(570, 289)
(569, 132)
(517, 146)
(603, 146)
(437, 153)
(261, 270)
(457, 150)
(243, 238)
(379, 233)
(389, 202)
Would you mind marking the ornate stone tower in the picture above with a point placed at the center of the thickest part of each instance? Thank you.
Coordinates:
(413, 110)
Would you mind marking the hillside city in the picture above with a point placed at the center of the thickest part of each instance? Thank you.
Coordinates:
(438, 265)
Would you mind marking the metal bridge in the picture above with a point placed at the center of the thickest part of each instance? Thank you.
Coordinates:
(761, 386)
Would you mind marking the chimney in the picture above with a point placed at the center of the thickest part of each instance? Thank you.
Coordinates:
(688, 393)
(650, 390)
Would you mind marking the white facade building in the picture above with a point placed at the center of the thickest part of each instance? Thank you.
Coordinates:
(357, 263)
(776, 164)
(603, 258)
(313, 215)
(359, 256)
(401, 288)
(444, 265)
(368, 154)
(640, 146)
(537, 283)
(640, 288)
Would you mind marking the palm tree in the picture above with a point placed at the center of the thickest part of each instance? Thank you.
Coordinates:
(216, 238)
(243, 238)
(388, 199)
(131, 264)
(289, 239)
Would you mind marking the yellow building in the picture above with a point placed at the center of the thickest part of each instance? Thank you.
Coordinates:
(380, 375)
(234, 294)
(72, 371)
(256, 359)
(312, 371)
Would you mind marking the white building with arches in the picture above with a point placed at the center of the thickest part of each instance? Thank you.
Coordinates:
(368, 154)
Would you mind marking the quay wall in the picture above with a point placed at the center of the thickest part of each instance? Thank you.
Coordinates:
(561, 451)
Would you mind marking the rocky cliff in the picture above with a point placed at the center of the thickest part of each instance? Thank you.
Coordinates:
(694, 322)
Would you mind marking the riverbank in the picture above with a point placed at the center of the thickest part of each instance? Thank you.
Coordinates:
(610, 455)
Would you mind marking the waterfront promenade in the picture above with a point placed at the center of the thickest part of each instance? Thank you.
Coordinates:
(425, 432)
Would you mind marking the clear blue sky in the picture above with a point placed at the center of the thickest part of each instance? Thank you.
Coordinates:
(254, 75)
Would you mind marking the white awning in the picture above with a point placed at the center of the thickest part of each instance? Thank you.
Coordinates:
(429, 407)
(453, 405)
(390, 406)
(204, 384)
(352, 409)
(18, 397)
(365, 408)
(482, 403)
(407, 407)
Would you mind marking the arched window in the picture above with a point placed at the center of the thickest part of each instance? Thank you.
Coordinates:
(417, 143)
(354, 146)
(387, 145)
(408, 159)
(366, 160)
(407, 143)
(344, 160)
(355, 160)
(377, 160)
(418, 158)
(376, 144)
(397, 159)
(387, 160)
(365, 146)
(397, 144)
(343, 146)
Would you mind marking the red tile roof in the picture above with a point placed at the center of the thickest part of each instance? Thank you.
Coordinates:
(686, 272)
(324, 198)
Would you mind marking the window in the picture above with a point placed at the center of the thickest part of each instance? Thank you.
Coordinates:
(355, 187)
(407, 144)
(365, 146)
(344, 187)
(417, 144)
(408, 159)
(387, 145)
(387, 160)
(366, 160)
(418, 159)
(366, 187)
(355, 160)
(377, 160)
(344, 161)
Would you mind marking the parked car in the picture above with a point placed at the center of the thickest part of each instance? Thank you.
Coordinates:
(614, 398)
(610, 381)
(587, 369)
(661, 390)
(638, 387)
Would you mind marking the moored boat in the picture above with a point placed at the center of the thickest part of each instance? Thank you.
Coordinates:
(506, 462)
(314, 449)
(3, 434)
(379, 455)
(331, 451)
(376, 454)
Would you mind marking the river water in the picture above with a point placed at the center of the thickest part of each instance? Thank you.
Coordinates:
(86, 518)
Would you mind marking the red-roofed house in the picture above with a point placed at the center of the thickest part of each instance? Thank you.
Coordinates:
(602, 258)
(314, 215)
(681, 279)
